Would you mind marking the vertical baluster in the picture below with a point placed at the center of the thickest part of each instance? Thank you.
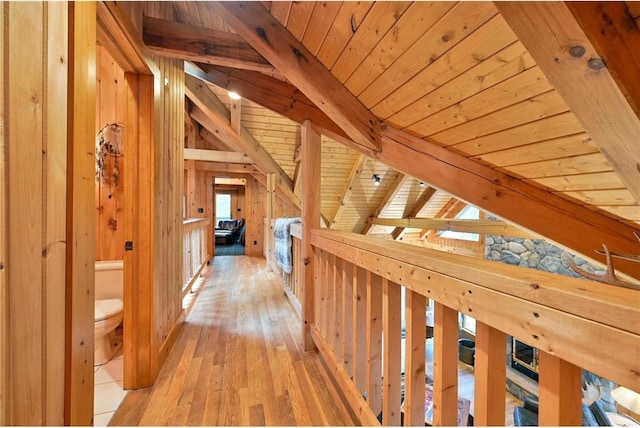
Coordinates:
(329, 332)
(391, 353)
(445, 366)
(560, 392)
(374, 342)
(347, 318)
(359, 326)
(490, 376)
(414, 366)
(338, 292)
(318, 265)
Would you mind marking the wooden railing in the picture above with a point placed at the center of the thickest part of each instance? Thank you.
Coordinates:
(574, 323)
(290, 281)
(194, 243)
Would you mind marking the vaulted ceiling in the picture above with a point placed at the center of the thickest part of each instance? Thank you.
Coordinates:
(529, 111)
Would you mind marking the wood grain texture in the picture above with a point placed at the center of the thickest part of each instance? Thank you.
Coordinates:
(490, 376)
(445, 365)
(237, 360)
(80, 228)
(547, 30)
(267, 35)
(560, 392)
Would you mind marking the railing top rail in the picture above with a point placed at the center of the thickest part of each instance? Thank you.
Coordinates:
(295, 230)
(558, 314)
(187, 221)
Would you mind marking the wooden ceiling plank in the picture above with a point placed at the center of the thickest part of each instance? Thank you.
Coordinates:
(461, 21)
(608, 197)
(414, 22)
(281, 10)
(392, 192)
(505, 64)
(521, 87)
(560, 220)
(187, 13)
(548, 128)
(216, 156)
(422, 202)
(382, 17)
(595, 181)
(556, 148)
(348, 190)
(278, 96)
(324, 13)
(582, 164)
(192, 43)
(485, 227)
(347, 22)
(214, 142)
(561, 46)
(299, 18)
(214, 116)
(293, 60)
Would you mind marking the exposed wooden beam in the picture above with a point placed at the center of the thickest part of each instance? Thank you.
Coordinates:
(579, 70)
(483, 227)
(231, 168)
(279, 96)
(236, 115)
(451, 209)
(192, 43)
(216, 156)
(386, 200)
(565, 222)
(214, 142)
(348, 190)
(258, 27)
(422, 201)
(118, 35)
(211, 113)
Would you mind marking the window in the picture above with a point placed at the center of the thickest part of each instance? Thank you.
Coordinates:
(223, 207)
(468, 213)
(467, 323)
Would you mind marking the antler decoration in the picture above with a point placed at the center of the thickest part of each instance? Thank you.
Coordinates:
(609, 276)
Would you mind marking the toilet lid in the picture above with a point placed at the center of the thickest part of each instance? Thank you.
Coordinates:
(107, 308)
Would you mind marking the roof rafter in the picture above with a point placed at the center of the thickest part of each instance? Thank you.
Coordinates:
(561, 46)
(486, 227)
(356, 170)
(191, 43)
(211, 113)
(386, 200)
(422, 202)
(561, 220)
(258, 27)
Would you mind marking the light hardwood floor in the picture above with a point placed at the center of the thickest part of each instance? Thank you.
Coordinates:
(238, 360)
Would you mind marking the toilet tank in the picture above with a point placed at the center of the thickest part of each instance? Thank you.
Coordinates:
(109, 279)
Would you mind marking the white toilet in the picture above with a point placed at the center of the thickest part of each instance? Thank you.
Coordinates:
(108, 308)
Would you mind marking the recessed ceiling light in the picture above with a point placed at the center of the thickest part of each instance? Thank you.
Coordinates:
(234, 95)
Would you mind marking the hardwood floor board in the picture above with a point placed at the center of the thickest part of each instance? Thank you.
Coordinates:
(237, 361)
(333, 414)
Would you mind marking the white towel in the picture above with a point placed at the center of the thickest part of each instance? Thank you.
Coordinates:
(283, 241)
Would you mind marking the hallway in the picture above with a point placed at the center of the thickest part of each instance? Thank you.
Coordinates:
(238, 360)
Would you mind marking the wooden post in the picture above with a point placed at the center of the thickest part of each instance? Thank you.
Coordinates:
(310, 220)
(270, 205)
(140, 351)
(374, 342)
(80, 214)
(560, 392)
(445, 366)
(490, 375)
(414, 367)
(359, 326)
(391, 351)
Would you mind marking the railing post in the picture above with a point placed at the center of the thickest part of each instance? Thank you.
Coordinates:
(414, 366)
(359, 326)
(374, 342)
(490, 376)
(392, 355)
(445, 366)
(310, 168)
(560, 392)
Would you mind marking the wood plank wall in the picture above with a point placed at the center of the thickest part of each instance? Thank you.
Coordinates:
(169, 129)
(110, 108)
(41, 211)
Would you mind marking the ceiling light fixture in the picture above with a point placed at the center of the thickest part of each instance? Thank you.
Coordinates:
(376, 179)
(422, 184)
(234, 95)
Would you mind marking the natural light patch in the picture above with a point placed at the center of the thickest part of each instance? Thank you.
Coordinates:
(468, 213)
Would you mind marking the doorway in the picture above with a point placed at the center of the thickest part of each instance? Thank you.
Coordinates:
(230, 221)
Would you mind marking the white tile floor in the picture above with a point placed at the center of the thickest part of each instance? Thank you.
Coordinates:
(108, 392)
